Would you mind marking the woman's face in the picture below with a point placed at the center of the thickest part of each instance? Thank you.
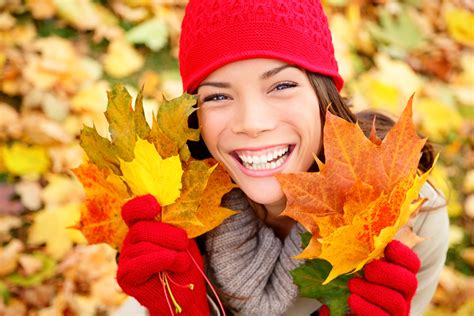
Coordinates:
(260, 117)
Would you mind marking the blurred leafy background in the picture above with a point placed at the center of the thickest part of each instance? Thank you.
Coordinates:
(59, 57)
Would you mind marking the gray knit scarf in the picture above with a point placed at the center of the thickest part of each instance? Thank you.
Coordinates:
(249, 263)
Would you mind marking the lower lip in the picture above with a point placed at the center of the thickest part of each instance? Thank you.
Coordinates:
(264, 173)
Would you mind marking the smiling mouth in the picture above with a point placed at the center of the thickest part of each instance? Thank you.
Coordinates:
(264, 159)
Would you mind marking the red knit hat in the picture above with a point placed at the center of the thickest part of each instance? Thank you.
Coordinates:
(218, 32)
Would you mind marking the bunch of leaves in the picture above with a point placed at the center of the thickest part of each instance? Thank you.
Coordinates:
(364, 193)
(139, 159)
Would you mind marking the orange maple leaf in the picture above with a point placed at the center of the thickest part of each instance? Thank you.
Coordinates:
(100, 220)
(366, 190)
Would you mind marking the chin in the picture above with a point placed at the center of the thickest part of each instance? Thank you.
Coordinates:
(265, 193)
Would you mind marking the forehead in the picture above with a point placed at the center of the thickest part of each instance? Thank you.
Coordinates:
(254, 65)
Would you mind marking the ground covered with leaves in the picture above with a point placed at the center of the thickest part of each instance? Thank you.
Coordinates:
(58, 59)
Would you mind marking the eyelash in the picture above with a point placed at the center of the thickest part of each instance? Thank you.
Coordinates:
(286, 83)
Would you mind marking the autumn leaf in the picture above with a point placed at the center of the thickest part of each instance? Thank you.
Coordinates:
(173, 121)
(81, 14)
(123, 123)
(165, 145)
(153, 33)
(459, 22)
(100, 219)
(99, 149)
(148, 173)
(362, 195)
(183, 212)
(400, 32)
(46, 271)
(119, 111)
(432, 115)
(210, 213)
(142, 128)
(198, 208)
(51, 226)
(23, 160)
(8, 206)
(122, 59)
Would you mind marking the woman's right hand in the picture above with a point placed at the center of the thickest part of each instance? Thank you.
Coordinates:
(152, 250)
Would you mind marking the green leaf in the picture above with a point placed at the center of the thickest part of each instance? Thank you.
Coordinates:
(310, 276)
(397, 31)
(47, 271)
(337, 3)
(4, 293)
(99, 149)
(173, 120)
(47, 28)
(120, 116)
(153, 33)
(305, 239)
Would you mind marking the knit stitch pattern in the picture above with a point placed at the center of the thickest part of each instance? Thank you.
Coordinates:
(250, 263)
(217, 32)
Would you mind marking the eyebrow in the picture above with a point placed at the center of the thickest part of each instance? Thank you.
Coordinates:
(265, 75)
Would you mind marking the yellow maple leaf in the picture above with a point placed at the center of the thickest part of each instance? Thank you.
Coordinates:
(24, 160)
(460, 25)
(148, 173)
(432, 114)
(51, 226)
(122, 59)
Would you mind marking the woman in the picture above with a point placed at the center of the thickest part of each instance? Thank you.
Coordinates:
(264, 73)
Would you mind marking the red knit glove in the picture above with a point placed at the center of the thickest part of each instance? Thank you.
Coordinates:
(153, 249)
(388, 285)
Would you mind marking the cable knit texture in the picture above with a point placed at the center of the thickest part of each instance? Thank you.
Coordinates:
(217, 32)
(251, 264)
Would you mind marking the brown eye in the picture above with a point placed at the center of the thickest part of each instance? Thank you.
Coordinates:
(285, 85)
(215, 97)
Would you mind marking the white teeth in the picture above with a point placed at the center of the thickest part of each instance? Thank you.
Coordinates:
(279, 162)
(261, 162)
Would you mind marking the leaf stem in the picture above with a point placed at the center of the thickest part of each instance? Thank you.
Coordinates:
(176, 305)
(208, 282)
(161, 276)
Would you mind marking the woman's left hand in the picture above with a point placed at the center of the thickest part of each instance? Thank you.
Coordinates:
(388, 285)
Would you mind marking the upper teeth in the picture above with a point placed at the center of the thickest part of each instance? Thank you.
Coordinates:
(264, 157)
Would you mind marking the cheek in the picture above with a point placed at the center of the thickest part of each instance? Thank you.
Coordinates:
(310, 131)
(211, 127)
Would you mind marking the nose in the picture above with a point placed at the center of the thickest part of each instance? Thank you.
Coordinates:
(253, 116)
